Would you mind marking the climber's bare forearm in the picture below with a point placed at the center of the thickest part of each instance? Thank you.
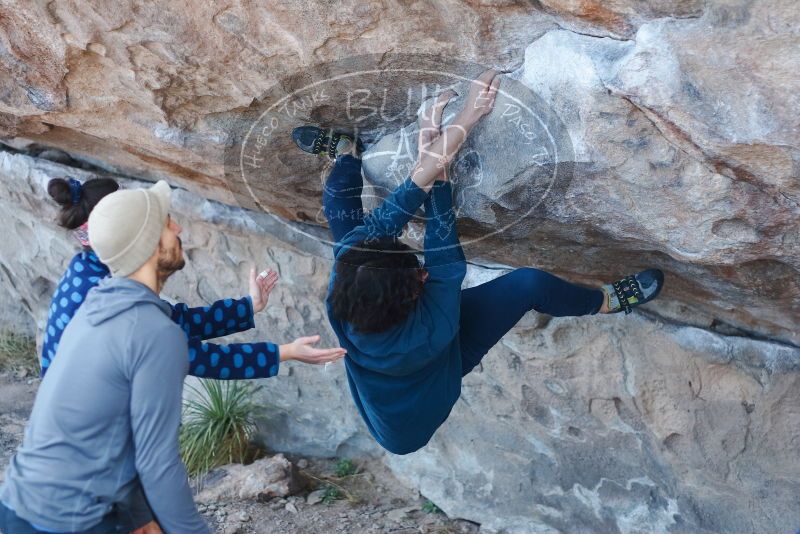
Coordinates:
(434, 159)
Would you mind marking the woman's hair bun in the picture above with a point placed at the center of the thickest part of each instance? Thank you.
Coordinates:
(88, 194)
(58, 188)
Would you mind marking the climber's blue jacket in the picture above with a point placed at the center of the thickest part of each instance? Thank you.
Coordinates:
(232, 361)
(406, 380)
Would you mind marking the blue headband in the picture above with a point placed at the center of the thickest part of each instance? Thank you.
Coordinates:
(75, 189)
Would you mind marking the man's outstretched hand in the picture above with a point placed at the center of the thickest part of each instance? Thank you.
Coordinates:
(302, 350)
(261, 286)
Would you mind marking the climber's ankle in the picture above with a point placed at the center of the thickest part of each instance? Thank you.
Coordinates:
(346, 147)
(604, 307)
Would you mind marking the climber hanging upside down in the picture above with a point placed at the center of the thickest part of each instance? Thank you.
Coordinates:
(410, 331)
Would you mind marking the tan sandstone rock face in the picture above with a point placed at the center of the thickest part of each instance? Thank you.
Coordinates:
(681, 116)
(143, 87)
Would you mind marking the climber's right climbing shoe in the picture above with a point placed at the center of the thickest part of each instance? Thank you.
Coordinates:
(315, 140)
(633, 290)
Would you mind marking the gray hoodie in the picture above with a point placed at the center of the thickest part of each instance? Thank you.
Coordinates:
(108, 410)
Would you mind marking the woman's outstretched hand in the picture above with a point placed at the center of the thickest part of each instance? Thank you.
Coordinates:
(261, 286)
(302, 350)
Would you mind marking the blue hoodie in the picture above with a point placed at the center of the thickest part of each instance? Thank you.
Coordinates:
(107, 411)
(233, 361)
(406, 380)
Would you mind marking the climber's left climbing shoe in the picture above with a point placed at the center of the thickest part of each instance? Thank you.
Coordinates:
(633, 290)
(315, 140)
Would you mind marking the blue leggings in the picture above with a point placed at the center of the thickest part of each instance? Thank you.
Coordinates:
(488, 311)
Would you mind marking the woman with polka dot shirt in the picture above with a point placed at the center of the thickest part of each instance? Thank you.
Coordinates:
(208, 360)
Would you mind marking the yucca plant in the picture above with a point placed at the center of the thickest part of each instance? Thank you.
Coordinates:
(218, 424)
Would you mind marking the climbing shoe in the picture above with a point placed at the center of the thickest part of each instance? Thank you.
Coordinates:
(315, 140)
(633, 290)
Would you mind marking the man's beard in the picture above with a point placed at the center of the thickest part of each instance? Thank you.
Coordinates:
(170, 261)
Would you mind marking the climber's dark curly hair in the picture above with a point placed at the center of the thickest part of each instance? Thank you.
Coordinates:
(376, 286)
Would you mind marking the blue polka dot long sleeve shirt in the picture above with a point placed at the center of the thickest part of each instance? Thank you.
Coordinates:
(207, 360)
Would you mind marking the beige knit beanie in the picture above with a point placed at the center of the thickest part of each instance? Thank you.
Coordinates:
(125, 227)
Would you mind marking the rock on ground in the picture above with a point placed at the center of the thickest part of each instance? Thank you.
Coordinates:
(263, 479)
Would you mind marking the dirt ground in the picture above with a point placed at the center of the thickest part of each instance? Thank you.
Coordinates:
(383, 506)
(371, 501)
(16, 401)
